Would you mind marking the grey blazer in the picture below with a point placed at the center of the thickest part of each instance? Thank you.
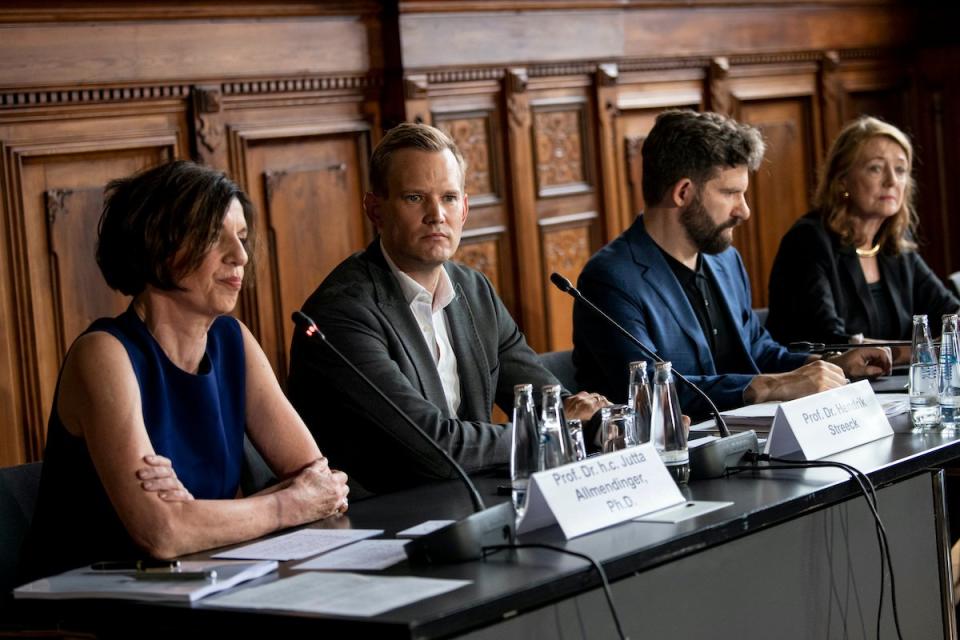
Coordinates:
(362, 311)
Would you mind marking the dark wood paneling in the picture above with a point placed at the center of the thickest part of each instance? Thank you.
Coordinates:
(309, 185)
(56, 185)
(548, 99)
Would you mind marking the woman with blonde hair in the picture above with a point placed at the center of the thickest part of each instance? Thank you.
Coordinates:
(848, 270)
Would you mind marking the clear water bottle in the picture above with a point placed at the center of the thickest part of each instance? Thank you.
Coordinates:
(949, 373)
(638, 398)
(666, 424)
(524, 444)
(924, 378)
(554, 448)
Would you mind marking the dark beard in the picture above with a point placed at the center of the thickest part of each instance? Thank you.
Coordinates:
(707, 236)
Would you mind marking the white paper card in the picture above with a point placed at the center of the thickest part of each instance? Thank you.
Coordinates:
(681, 512)
(340, 594)
(299, 544)
(364, 555)
(824, 423)
(425, 527)
(600, 491)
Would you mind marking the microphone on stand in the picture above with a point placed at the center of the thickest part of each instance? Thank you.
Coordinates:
(464, 539)
(710, 459)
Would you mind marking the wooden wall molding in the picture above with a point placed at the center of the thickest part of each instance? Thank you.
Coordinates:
(90, 95)
(92, 11)
(138, 93)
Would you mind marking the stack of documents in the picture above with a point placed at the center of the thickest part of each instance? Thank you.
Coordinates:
(87, 583)
(759, 417)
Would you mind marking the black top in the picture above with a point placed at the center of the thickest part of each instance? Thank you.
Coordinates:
(886, 329)
(701, 291)
(818, 292)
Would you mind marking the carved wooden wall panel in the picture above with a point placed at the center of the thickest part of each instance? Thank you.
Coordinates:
(56, 184)
(309, 185)
(566, 161)
(483, 254)
(783, 105)
(567, 245)
(470, 113)
(80, 293)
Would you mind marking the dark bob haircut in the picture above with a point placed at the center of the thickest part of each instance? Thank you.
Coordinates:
(157, 225)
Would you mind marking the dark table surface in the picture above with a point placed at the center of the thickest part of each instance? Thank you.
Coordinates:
(510, 581)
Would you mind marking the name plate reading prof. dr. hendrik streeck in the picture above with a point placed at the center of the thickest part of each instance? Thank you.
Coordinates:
(600, 491)
(824, 423)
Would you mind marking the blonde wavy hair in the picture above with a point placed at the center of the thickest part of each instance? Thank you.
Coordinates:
(831, 198)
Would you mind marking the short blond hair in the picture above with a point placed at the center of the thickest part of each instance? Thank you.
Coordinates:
(410, 135)
(832, 199)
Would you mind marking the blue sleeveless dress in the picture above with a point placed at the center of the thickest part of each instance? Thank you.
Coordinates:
(196, 420)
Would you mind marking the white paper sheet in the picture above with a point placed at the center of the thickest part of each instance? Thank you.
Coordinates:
(366, 554)
(341, 594)
(299, 544)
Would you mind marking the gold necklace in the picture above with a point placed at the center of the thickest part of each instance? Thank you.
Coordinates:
(869, 253)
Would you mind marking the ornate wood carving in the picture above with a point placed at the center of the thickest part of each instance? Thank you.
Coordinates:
(520, 156)
(718, 89)
(559, 148)
(208, 126)
(92, 95)
(634, 162)
(472, 135)
(565, 251)
(518, 102)
(482, 255)
(832, 96)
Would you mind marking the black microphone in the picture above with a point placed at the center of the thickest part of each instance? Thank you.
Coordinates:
(463, 540)
(819, 347)
(710, 459)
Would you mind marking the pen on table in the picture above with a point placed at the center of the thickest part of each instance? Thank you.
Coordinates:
(205, 574)
(136, 565)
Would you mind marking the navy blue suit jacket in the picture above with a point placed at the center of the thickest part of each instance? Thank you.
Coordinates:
(631, 281)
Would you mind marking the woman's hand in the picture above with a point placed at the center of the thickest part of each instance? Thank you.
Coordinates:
(159, 477)
(316, 492)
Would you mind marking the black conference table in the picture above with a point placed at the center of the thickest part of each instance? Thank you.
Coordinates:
(795, 556)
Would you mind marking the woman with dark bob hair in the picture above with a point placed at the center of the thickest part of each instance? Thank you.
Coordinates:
(173, 383)
(848, 271)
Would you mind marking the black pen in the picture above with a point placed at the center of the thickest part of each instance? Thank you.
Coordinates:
(136, 565)
(206, 574)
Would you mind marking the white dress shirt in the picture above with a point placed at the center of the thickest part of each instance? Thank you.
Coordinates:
(428, 312)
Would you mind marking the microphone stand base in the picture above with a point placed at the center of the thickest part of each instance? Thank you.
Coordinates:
(464, 539)
(711, 459)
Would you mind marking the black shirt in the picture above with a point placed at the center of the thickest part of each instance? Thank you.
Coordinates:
(886, 312)
(717, 326)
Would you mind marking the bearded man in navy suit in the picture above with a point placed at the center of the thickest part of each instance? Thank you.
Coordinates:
(675, 282)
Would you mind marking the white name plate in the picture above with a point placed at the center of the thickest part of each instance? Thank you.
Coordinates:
(824, 423)
(600, 491)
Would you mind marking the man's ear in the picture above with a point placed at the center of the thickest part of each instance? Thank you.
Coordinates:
(371, 206)
(682, 193)
(466, 210)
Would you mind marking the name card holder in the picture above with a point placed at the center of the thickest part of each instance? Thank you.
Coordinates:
(600, 491)
(825, 423)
